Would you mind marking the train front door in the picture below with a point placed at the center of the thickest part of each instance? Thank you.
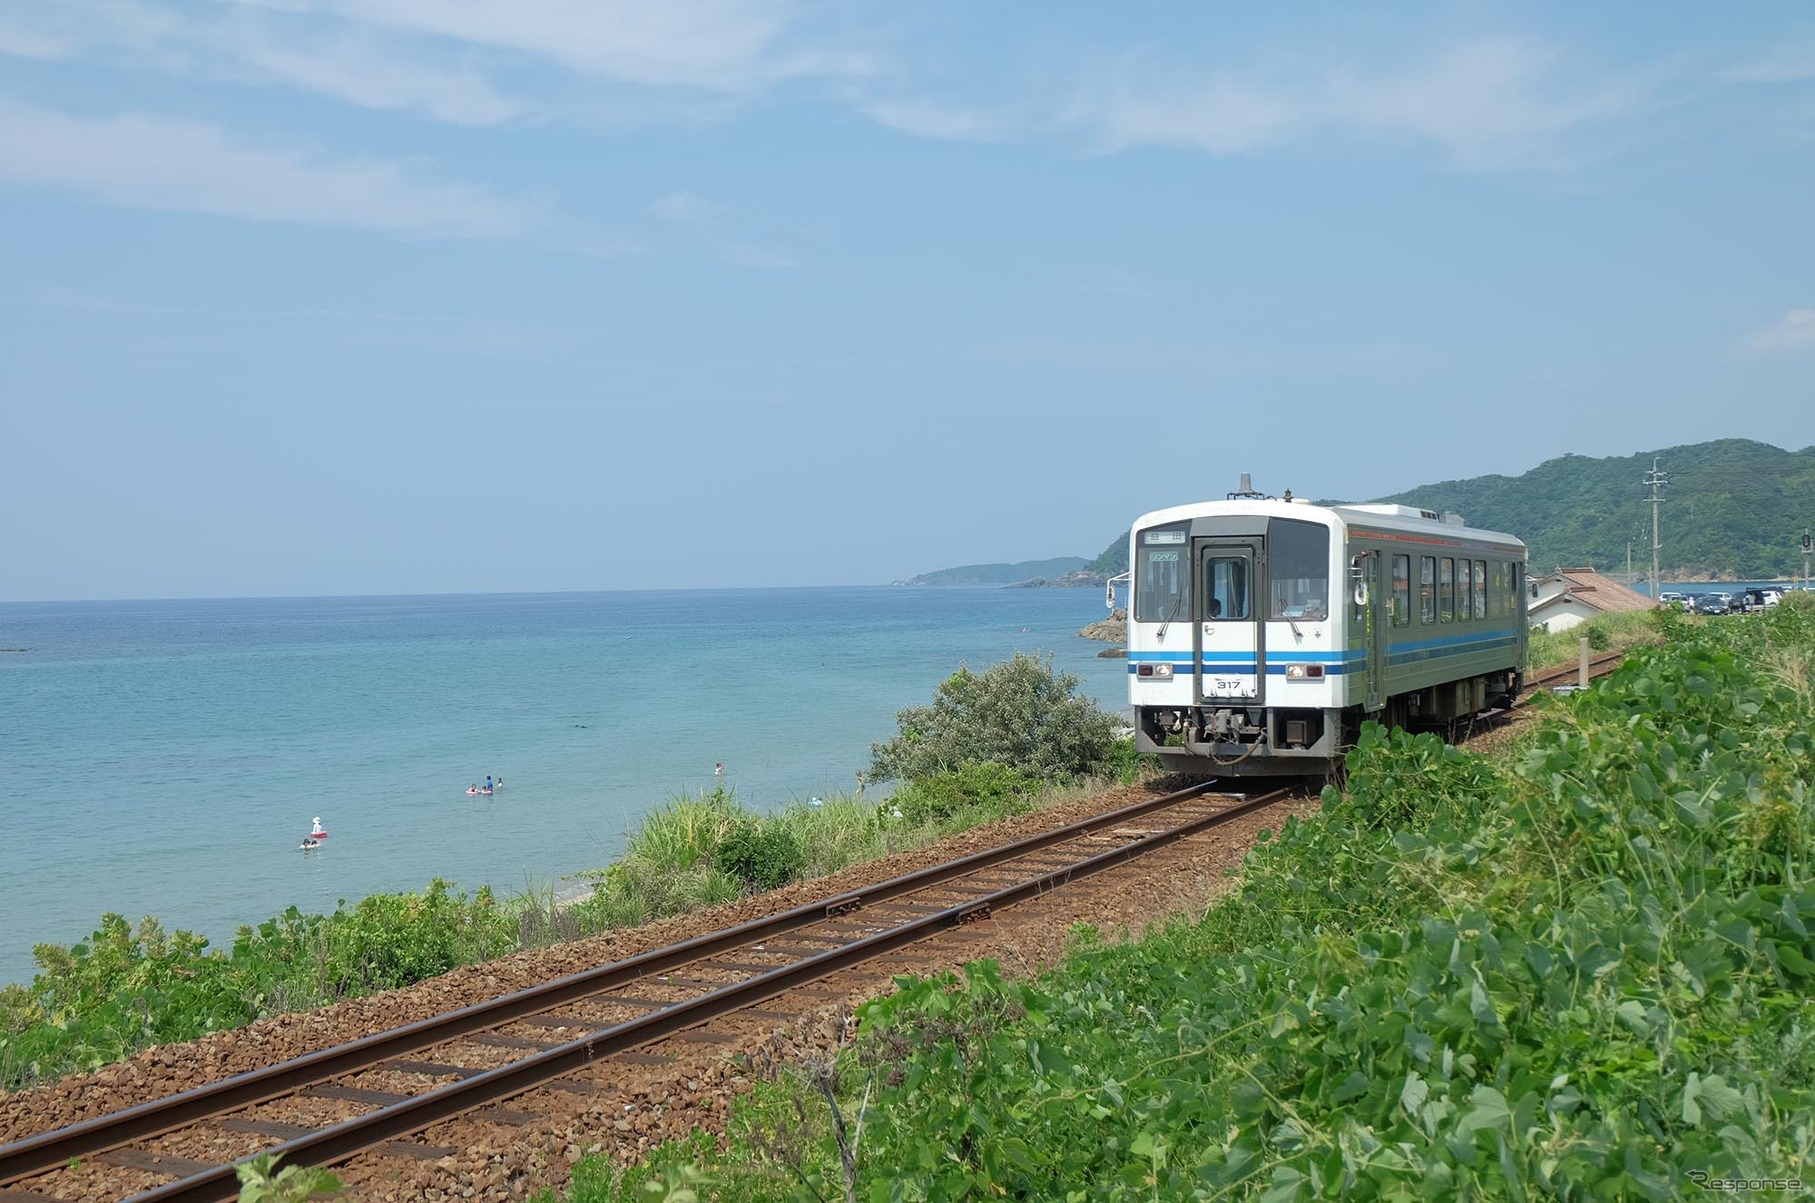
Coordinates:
(1231, 656)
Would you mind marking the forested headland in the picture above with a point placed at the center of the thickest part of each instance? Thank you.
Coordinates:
(1732, 509)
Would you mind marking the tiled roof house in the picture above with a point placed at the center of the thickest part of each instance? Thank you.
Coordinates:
(1569, 597)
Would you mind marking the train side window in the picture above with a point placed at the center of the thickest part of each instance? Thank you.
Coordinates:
(1446, 589)
(1427, 589)
(1402, 590)
(1480, 593)
(1464, 592)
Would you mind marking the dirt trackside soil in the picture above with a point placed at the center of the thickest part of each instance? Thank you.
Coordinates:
(632, 1108)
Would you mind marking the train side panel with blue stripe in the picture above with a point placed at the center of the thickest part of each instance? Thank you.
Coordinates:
(1262, 631)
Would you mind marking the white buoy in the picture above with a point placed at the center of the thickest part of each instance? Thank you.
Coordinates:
(316, 830)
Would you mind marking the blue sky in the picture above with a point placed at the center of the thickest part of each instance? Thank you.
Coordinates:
(394, 296)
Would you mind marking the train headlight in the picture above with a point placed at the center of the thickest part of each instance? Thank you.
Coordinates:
(1303, 672)
(1161, 672)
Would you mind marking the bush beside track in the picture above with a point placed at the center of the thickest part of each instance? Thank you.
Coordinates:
(964, 761)
(1579, 970)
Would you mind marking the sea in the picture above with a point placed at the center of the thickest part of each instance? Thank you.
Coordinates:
(166, 758)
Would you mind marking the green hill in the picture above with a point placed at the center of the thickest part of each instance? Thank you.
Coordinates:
(1114, 560)
(1733, 509)
(998, 574)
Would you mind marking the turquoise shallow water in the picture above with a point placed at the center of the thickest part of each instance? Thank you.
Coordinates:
(166, 757)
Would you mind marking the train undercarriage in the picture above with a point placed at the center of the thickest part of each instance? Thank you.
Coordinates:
(1259, 741)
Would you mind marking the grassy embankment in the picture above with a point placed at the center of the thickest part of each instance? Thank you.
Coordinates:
(1580, 969)
(128, 988)
(1605, 632)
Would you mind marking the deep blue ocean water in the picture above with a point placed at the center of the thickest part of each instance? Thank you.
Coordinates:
(166, 757)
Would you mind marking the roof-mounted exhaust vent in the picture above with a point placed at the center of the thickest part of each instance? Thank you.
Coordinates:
(1247, 491)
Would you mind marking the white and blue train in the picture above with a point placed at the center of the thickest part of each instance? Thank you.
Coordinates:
(1262, 631)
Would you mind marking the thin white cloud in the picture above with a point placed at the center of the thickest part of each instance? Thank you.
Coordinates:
(355, 71)
(329, 58)
(1794, 331)
(454, 333)
(1492, 104)
(726, 45)
(710, 225)
(145, 161)
(1154, 357)
(753, 255)
(32, 43)
(614, 62)
(686, 209)
(1489, 104)
(1782, 65)
(1225, 114)
(87, 301)
(1124, 283)
(929, 120)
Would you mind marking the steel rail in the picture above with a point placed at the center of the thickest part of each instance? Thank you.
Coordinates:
(48, 1150)
(1568, 672)
(343, 1140)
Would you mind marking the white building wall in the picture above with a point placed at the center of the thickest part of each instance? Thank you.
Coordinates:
(1560, 614)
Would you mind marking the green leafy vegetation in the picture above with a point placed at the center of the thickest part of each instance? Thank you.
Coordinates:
(1580, 970)
(1019, 714)
(971, 793)
(1733, 507)
(760, 855)
(262, 1182)
(1604, 632)
(127, 989)
(1114, 560)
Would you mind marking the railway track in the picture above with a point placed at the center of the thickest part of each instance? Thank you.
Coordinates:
(395, 1094)
(385, 1095)
(1599, 665)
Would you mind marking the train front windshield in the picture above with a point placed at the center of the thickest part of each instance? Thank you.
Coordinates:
(1298, 576)
(1162, 587)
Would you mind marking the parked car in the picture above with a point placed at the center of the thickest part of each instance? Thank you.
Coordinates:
(1751, 600)
(1713, 603)
(1674, 600)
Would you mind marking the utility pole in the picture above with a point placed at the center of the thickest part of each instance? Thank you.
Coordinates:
(1808, 550)
(1656, 480)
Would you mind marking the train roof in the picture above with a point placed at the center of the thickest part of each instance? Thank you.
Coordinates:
(1404, 519)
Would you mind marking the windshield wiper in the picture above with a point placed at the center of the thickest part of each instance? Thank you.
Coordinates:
(1176, 603)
